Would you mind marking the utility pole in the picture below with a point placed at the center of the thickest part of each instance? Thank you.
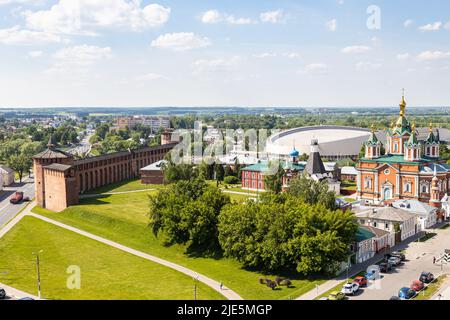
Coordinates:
(38, 268)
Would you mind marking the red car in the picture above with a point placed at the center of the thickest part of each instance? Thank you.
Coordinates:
(417, 286)
(361, 281)
(16, 198)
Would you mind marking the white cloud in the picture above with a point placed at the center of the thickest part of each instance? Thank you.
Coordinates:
(356, 49)
(431, 26)
(276, 16)
(16, 35)
(76, 61)
(368, 66)
(314, 68)
(214, 16)
(83, 55)
(331, 25)
(211, 16)
(265, 55)
(181, 41)
(403, 56)
(291, 55)
(216, 65)
(433, 55)
(87, 16)
(35, 54)
(240, 21)
(408, 23)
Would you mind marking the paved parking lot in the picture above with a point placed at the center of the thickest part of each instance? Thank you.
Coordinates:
(419, 258)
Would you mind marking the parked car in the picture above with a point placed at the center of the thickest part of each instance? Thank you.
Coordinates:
(16, 197)
(336, 295)
(323, 298)
(350, 289)
(26, 299)
(426, 277)
(417, 285)
(394, 298)
(385, 267)
(395, 261)
(360, 281)
(2, 294)
(406, 293)
(399, 255)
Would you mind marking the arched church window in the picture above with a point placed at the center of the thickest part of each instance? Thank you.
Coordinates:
(408, 186)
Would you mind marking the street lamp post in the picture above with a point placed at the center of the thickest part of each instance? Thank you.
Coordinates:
(38, 268)
(195, 288)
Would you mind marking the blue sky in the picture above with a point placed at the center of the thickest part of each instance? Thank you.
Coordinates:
(222, 53)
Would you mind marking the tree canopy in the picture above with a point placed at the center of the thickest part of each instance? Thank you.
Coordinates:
(283, 232)
(187, 213)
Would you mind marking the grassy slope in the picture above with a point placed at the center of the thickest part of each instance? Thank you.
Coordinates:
(106, 273)
(124, 186)
(123, 218)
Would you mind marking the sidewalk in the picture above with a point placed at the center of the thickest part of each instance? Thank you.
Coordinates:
(14, 294)
(354, 270)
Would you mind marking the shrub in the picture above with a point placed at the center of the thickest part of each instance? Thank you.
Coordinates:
(278, 280)
(272, 284)
(286, 282)
(231, 180)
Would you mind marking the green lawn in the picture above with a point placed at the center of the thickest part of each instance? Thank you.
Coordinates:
(431, 289)
(238, 188)
(124, 186)
(123, 218)
(240, 198)
(106, 272)
(348, 185)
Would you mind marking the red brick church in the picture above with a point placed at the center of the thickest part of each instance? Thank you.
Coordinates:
(409, 169)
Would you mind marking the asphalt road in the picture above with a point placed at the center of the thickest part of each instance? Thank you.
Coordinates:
(14, 294)
(419, 258)
(8, 210)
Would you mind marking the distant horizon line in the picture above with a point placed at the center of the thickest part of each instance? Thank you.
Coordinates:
(213, 107)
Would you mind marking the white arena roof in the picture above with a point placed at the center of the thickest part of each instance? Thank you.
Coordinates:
(334, 141)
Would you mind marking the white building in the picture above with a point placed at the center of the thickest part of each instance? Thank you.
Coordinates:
(388, 219)
(446, 206)
(426, 214)
(7, 176)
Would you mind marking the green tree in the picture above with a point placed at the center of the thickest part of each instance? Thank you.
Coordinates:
(312, 192)
(182, 172)
(281, 232)
(187, 213)
(21, 164)
(219, 171)
(274, 182)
